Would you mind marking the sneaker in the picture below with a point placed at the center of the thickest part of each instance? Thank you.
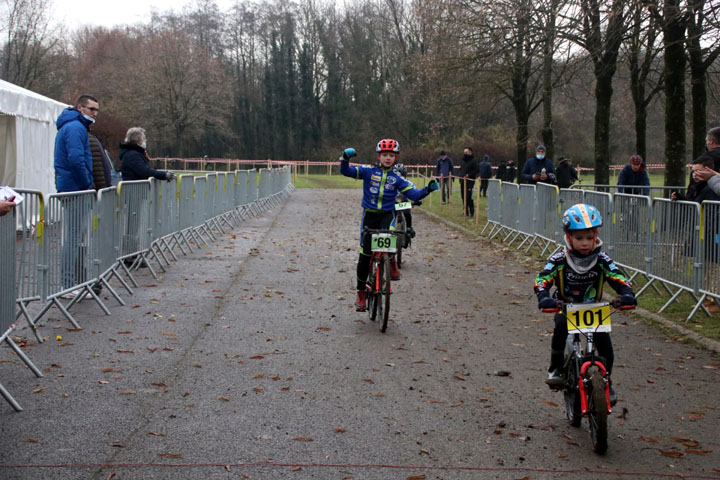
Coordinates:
(411, 232)
(555, 378)
(361, 302)
(394, 270)
(72, 294)
(613, 396)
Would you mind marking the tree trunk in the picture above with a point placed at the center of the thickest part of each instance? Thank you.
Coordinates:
(641, 130)
(674, 69)
(603, 98)
(699, 110)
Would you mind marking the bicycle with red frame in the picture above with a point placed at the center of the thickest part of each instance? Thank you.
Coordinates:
(379, 288)
(586, 383)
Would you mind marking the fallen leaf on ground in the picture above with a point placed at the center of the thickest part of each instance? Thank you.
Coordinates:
(304, 439)
(170, 455)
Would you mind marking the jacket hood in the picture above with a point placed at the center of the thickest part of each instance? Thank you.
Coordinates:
(71, 114)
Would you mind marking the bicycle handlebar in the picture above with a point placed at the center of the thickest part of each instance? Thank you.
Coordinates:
(379, 230)
(615, 303)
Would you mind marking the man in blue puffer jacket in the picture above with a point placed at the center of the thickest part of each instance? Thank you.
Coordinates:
(73, 158)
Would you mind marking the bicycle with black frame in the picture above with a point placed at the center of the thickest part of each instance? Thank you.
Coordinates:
(586, 382)
(384, 243)
(405, 231)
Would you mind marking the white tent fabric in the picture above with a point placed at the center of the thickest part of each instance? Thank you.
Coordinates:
(27, 138)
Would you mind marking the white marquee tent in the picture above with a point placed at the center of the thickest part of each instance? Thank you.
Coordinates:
(27, 138)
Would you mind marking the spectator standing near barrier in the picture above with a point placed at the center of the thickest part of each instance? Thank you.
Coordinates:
(501, 171)
(468, 172)
(705, 174)
(485, 174)
(444, 170)
(74, 172)
(73, 158)
(101, 165)
(698, 189)
(566, 173)
(538, 168)
(510, 172)
(634, 173)
(135, 164)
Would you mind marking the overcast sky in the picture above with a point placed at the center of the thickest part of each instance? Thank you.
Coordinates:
(109, 13)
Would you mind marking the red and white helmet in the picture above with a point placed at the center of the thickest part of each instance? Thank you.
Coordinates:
(388, 145)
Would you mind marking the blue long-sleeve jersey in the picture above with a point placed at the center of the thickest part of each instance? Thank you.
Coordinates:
(381, 185)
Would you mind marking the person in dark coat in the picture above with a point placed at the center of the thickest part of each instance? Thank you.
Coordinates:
(510, 172)
(468, 174)
(485, 174)
(538, 168)
(134, 161)
(501, 171)
(444, 170)
(634, 173)
(101, 166)
(565, 173)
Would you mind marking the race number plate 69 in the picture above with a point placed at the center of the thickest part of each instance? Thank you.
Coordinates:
(384, 242)
(588, 317)
(403, 206)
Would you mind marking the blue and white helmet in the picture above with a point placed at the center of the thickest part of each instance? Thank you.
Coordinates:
(581, 217)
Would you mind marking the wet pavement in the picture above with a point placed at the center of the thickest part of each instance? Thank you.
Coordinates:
(247, 360)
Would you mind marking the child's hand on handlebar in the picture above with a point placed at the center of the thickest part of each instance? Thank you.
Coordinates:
(625, 302)
(547, 303)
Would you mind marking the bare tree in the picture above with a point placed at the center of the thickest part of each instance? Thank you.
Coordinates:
(703, 47)
(29, 40)
(645, 81)
(599, 29)
(673, 21)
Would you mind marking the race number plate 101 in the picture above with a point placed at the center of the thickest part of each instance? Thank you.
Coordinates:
(384, 242)
(403, 206)
(588, 317)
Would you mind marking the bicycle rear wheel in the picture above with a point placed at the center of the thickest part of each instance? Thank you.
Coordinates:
(385, 289)
(598, 411)
(401, 227)
(572, 393)
(380, 272)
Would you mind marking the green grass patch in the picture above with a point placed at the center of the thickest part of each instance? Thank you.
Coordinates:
(326, 181)
(651, 300)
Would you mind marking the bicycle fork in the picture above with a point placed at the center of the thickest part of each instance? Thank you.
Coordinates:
(584, 380)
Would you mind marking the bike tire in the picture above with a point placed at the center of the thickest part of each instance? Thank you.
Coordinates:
(572, 407)
(379, 293)
(372, 294)
(386, 293)
(598, 412)
(402, 238)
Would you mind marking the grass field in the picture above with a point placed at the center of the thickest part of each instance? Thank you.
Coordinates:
(651, 300)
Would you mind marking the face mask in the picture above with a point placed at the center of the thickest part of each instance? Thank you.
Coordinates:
(144, 145)
(540, 156)
(89, 118)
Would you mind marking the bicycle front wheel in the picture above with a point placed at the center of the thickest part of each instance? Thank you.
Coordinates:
(401, 238)
(372, 295)
(598, 408)
(385, 292)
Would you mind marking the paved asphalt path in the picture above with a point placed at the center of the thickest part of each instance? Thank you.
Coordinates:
(247, 360)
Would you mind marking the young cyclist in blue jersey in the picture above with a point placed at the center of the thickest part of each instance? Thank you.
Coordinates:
(579, 272)
(381, 183)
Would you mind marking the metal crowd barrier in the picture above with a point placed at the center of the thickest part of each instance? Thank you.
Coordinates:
(674, 245)
(494, 213)
(70, 244)
(8, 291)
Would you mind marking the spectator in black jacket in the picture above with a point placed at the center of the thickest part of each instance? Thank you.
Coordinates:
(485, 174)
(565, 173)
(468, 174)
(134, 159)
